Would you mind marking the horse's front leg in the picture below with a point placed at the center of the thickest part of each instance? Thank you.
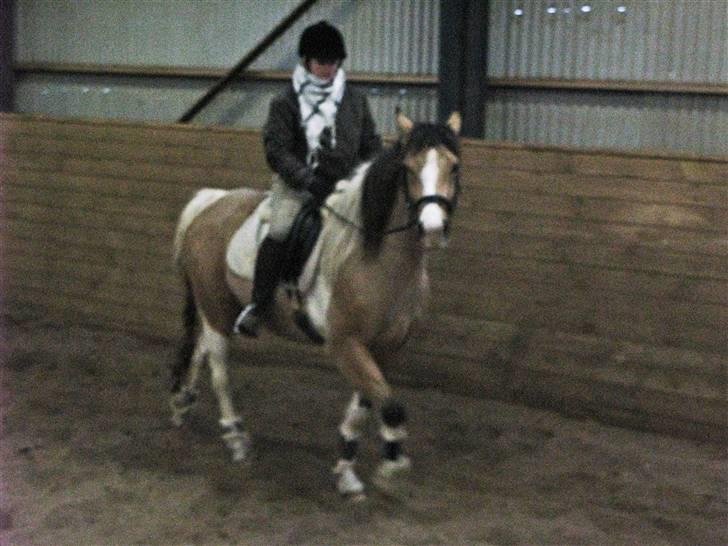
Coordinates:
(395, 463)
(359, 366)
(350, 432)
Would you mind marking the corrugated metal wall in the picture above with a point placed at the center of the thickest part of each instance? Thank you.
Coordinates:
(653, 40)
(217, 33)
(678, 41)
(383, 36)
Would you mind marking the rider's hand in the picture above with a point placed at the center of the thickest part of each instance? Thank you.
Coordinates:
(318, 186)
(333, 164)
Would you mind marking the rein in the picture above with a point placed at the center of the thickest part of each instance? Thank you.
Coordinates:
(412, 206)
(412, 222)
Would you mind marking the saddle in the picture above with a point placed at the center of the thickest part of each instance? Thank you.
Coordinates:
(301, 241)
(299, 245)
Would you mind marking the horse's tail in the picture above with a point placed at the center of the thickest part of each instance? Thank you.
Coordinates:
(202, 199)
(184, 354)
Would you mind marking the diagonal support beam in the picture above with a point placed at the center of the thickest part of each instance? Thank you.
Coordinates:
(249, 58)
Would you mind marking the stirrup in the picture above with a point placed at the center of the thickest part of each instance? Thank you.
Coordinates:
(248, 321)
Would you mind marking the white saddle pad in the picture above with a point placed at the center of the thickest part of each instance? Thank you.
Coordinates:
(243, 248)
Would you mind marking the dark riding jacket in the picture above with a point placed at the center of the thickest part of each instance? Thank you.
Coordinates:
(284, 138)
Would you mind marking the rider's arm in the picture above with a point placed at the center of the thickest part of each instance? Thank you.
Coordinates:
(280, 143)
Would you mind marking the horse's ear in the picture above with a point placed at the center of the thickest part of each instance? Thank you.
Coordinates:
(404, 124)
(455, 122)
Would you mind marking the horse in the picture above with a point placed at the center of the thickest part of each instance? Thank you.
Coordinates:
(362, 289)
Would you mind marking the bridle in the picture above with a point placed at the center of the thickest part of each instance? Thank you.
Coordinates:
(413, 205)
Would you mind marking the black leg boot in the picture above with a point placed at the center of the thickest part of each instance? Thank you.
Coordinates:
(268, 267)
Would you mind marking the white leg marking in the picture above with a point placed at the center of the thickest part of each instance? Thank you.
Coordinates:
(351, 429)
(198, 357)
(347, 482)
(390, 469)
(237, 440)
(355, 419)
(216, 347)
(393, 434)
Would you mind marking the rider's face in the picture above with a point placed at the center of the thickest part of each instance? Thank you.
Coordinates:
(324, 69)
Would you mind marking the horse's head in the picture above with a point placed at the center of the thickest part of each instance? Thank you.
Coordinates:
(431, 181)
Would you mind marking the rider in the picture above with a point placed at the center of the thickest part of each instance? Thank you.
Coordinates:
(317, 131)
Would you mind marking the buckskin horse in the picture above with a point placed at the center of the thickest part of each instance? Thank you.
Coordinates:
(359, 291)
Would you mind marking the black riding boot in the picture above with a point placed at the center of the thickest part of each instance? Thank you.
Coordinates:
(268, 268)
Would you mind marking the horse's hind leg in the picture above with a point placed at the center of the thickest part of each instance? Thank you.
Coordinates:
(217, 348)
(187, 369)
(350, 431)
(185, 394)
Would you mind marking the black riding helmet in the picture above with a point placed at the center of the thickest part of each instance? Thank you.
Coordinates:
(322, 41)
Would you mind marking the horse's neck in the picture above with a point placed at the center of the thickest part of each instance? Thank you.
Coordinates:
(402, 249)
(347, 203)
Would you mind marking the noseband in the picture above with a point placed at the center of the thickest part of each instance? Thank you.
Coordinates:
(415, 205)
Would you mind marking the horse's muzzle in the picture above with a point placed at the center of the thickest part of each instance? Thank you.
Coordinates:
(434, 226)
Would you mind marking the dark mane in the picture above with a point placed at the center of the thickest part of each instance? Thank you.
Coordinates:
(382, 179)
(379, 194)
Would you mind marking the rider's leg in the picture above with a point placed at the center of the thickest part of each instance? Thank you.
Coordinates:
(268, 267)
(285, 205)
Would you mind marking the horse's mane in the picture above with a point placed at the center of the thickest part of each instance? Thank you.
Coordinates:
(379, 193)
(381, 182)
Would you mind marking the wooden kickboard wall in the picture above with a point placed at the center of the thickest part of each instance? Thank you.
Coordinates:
(589, 282)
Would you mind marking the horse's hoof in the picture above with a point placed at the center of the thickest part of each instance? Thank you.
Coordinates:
(181, 404)
(239, 445)
(241, 451)
(347, 482)
(392, 478)
(358, 498)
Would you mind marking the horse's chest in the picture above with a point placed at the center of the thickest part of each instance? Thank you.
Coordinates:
(373, 300)
(396, 298)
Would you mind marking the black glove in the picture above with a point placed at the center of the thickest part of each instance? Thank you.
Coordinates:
(333, 164)
(317, 185)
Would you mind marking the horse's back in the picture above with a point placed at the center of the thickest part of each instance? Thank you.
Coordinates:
(211, 218)
(219, 213)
